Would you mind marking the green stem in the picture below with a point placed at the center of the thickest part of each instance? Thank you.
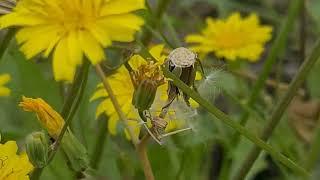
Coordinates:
(156, 19)
(277, 47)
(141, 149)
(36, 173)
(6, 41)
(231, 123)
(313, 155)
(100, 142)
(279, 110)
(72, 103)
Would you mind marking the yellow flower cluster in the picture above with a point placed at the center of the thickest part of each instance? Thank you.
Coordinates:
(232, 38)
(48, 117)
(4, 79)
(13, 166)
(121, 82)
(72, 28)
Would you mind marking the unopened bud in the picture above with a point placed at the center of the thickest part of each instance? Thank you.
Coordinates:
(37, 149)
(145, 94)
(76, 153)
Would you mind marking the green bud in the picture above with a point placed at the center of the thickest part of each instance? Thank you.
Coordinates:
(144, 95)
(76, 153)
(37, 148)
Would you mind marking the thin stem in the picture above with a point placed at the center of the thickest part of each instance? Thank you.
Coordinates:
(232, 123)
(116, 104)
(175, 132)
(100, 142)
(36, 174)
(313, 155)
(6, 41)
(279, 110)
(269, 82)
(302, 32)
(156, 19)
(141, 150)
(277, 47)
(72, 103)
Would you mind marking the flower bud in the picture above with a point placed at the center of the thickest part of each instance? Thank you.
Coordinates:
(144, 95)
(37, 149)
(76, 153)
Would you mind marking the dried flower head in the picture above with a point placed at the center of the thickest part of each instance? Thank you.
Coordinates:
(48, 117)
(182, 57)
(150, 71)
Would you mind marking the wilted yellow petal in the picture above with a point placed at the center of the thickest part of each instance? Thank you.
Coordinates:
(48, 117)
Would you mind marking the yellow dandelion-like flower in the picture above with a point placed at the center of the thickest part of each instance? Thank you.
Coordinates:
(13, 166)
(72, 28)
(4, 79)
(232, 38)
(121, 82)
(48, 117)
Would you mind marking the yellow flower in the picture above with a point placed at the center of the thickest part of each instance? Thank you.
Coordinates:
(13, 166)
(123, 87)
(4, 91)
(48, 117)
(232, 38)
(72, 28)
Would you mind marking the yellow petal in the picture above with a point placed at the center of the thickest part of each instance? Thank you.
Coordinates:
(112, 124)
(100, 93)
(121, 27)
(46, 36)
(62, 69)
(91, 47)
(75, 53)
(4, 78)
(156, 52)
(121, 6)
(4, 91)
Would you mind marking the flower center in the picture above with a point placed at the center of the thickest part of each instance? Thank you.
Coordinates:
(231, 39)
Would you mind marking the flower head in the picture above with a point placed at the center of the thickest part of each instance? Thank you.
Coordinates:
(150, 71)
(121, 81)
(48, 117)
(4, 78)
(13, 166)
(72, 28)
(232, 38)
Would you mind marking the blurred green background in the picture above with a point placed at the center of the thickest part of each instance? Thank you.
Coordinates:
(189, 155)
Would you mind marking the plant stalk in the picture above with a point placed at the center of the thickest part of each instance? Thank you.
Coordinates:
(279, 110)
(231, 123)
(6, 41)
(277, 48)
(141, 149)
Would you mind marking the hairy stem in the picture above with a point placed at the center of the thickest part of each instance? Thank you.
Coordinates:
(72, 103)
(141, 150)
(279, 110)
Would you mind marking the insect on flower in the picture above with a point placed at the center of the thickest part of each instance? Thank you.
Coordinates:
(182, 62)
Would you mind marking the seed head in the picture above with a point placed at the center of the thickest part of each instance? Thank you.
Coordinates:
(182, 57)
